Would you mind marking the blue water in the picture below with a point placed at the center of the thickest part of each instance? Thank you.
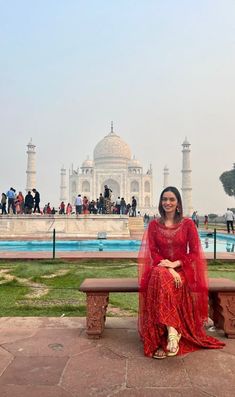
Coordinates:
(224, 243)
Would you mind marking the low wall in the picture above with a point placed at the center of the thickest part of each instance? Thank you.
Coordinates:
(83, 226)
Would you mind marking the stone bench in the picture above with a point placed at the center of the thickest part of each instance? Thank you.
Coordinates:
(221, 301)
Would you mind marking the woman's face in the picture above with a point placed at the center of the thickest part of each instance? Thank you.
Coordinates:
(169, 202)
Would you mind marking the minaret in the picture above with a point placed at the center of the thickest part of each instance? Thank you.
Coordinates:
(186, 179)
(165, 177)
(63, 187)
(31, 167)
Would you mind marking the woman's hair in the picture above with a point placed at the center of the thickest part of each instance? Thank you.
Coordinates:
(179, 211)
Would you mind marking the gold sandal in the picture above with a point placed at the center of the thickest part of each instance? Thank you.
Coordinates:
(159, 356)
(173, 338)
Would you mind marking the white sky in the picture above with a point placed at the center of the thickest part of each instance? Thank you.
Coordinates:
(161, 70)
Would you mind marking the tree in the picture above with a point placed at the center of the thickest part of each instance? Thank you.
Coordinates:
(228, 181)
(212, 216)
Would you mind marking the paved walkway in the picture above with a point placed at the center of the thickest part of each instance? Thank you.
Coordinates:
(52, 357)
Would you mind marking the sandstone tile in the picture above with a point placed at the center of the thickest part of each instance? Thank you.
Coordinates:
(33, 391)
(147, 372)
(22, 322)
(148, 392)
(161, 392)
(126, 343)
(5, 360)
(98, 372)
(212, 371)
(15, 334)
(34, 371)
(121, 322)
(64, 322)
(50, 342)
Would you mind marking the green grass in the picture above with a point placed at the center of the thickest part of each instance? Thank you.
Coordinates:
(60, 294)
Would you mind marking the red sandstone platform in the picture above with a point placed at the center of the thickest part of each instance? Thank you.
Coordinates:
(51, 357)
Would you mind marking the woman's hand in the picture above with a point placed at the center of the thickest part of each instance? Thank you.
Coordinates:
(177, 278)
(169, 264)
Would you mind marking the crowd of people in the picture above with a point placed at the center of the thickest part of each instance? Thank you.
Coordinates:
(13, 203)
(104, 205)
(229, 218)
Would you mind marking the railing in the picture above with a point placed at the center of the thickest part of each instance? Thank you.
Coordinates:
(53, 255)
(214, 235)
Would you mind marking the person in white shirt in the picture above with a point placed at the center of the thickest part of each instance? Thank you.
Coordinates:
(229, 217)
(78, 204)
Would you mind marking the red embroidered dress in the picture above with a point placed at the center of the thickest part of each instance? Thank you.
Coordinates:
(161, 304)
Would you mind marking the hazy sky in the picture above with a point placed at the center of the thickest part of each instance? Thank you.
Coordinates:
(161, 70)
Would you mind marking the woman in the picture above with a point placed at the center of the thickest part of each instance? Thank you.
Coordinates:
(173, 305)
(4, 203)
(19, 203)
(62, 208)
(69, 209)
(206, 222)
(48, 209)
(85, 205)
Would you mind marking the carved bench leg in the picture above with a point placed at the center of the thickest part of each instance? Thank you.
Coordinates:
(223, 309)
(97, 303)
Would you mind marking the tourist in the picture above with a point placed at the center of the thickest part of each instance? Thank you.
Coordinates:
(133, 206)
(128, 209)
(195, 218)
(36, 201)
(123, 206)
(229, 217)
(107, 200)
(4, 203)
(107, 192)
(62, 208)
(78, 204)
(28, 203)
(19, 203)
(85, 205)
(206, 222)
(69, 209)
(101, 207)
(173, 304)
(48, 209)
(11, 200)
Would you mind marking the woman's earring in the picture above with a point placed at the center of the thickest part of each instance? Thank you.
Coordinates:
(177, 210)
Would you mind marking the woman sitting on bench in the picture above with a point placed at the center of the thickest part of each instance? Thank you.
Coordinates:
(173, 304)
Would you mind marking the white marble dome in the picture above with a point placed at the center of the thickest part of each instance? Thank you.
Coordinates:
(87, 163)
(112, 147)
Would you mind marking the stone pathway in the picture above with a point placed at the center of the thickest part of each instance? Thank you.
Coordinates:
(52, 357)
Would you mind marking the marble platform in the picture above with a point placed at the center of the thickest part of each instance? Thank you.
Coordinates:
(81, 226)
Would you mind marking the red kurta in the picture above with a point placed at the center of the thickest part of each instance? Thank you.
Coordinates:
(161, 304)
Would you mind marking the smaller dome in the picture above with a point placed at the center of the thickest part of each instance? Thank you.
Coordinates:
(87, 164)
(134, 163)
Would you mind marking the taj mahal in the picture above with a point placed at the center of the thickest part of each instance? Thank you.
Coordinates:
(114, 165)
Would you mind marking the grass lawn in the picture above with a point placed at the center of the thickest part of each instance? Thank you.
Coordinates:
(50, 288)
